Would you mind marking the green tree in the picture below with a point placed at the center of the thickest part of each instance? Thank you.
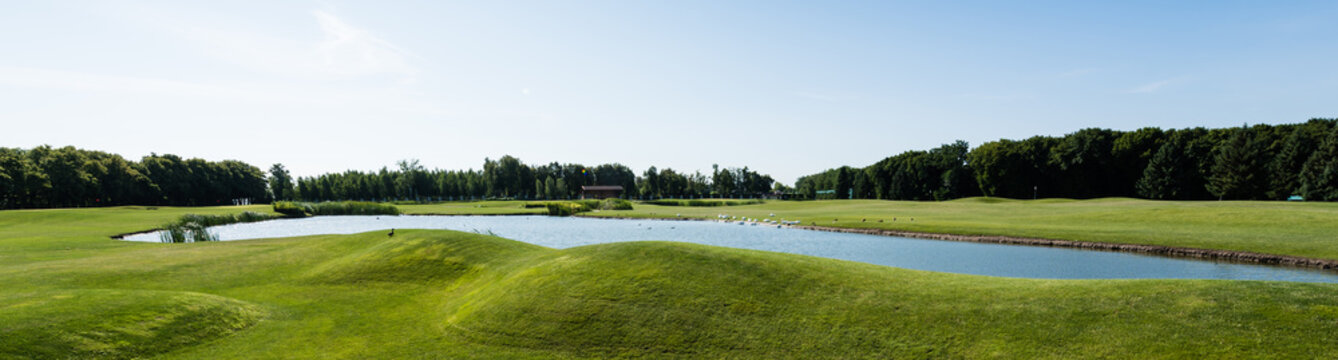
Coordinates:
(843, 183)
(1297, 147)
(1319, 175)
(1163, 177)
(1235, 167)
(650, 184)
(550, 188)
(280, 183)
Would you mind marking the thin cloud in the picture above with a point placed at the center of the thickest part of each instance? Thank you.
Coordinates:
(350, 50)
(342, 50)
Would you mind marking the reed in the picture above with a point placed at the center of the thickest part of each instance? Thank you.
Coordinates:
(195, 227)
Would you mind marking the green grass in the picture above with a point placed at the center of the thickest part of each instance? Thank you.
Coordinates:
(702, 202)
(67, 291)
(1286, 228)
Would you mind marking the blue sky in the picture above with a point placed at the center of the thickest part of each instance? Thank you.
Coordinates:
(787, 88)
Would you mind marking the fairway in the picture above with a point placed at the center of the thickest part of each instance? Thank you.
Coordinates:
(69, 291)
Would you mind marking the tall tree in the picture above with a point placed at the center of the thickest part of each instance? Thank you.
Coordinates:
(843, 183)
(1319, 175)
(1297, 147)
(1235, 166)
(280, 183)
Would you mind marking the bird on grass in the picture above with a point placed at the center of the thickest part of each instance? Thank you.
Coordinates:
(392, 233)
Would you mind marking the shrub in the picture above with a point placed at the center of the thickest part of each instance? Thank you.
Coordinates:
(568, 208)
(354, 208)
(615, 204)
(565, 208)
(292, 209)
(303, 209)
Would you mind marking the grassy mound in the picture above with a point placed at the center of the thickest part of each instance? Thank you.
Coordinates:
(420, 256)
(656, 299)
(115, 324)
(984, 200)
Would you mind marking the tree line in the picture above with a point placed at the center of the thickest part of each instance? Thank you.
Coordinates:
(1260, 162)
(47, 177)
(1242, 163)
(509, 178)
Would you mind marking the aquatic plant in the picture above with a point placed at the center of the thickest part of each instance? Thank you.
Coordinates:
(194, 227)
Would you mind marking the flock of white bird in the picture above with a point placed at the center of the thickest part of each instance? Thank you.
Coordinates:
(755, 221)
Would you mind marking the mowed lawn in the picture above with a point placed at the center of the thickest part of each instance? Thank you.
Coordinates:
(1308, 229)
(67, 291)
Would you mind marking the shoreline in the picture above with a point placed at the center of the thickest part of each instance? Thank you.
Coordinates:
(122, 236)
(1158, 250)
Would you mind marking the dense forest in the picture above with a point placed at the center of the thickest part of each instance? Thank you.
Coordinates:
(1260, 162)
(46, 177)
(509, 178)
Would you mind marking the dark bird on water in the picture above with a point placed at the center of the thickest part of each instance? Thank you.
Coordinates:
(392, 233)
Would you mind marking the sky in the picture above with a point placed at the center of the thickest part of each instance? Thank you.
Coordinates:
(785, 88)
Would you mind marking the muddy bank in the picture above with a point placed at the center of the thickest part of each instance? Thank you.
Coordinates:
(1169, 251)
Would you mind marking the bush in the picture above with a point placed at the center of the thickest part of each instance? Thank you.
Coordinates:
(568, 208)
(292, 209)
(615, 204)
(354, 208)
(565, 208)
(303, 209)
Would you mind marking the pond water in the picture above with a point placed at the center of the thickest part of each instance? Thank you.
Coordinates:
(933, 255)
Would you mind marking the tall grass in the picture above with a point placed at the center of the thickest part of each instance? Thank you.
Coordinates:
(354, 208)
(568, 208)
(700, 202)
(194, 227)
(303, 209)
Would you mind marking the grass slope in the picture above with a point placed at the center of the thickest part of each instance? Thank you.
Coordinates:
(1285, 228)
(442, 294)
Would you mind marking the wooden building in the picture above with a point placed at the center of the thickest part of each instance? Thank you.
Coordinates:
(601, 192)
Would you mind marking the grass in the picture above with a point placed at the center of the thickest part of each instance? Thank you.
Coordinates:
(67, 291)
(1286, 228)
(702, 202)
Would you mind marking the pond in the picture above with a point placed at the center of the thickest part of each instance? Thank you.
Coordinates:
(933, 255)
